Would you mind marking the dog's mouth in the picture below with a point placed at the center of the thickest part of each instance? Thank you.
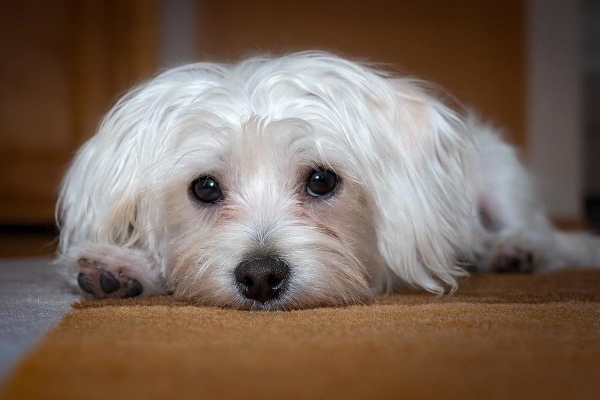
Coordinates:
(270, 305)
(288, 305)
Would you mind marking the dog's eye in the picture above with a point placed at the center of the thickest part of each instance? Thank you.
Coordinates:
(206, 189)
(321, 183)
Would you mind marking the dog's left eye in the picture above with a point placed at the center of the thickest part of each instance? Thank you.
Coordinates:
(321, 183)
(206, 189)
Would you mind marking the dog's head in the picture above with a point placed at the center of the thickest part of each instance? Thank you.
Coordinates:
(277, 183)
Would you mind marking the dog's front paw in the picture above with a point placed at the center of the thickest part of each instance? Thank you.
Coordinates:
(106, 281)
(508, 259)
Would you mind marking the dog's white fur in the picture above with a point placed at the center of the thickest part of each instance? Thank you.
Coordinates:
(424, 191)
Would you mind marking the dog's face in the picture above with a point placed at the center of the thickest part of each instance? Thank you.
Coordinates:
(276, 183)
(270, 214)
(267, 207)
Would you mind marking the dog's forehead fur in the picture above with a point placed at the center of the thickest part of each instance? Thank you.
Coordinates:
(276, 153)
(264, 112)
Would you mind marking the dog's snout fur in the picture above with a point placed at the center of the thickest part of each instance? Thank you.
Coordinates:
(262, 279)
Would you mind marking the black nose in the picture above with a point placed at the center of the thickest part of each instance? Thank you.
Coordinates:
(262, 279)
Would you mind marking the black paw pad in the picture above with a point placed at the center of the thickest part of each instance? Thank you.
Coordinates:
(96, 279)
(85, 283)
(132, 288)
(519, 262)
(509, 264)
(108, 283)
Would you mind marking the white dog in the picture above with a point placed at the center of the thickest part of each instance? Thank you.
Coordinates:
(293, 182)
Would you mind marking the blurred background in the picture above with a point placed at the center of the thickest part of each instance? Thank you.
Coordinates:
(531, 67)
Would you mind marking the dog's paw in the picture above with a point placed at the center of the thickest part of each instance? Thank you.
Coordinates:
(508, 259)
(106, 281)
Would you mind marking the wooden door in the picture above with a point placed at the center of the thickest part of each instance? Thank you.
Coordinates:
(63, 64)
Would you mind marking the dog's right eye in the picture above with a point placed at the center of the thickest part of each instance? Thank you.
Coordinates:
(206, 190)
(321, 183)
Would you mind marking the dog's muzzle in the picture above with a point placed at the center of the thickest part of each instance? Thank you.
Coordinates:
(262, 279)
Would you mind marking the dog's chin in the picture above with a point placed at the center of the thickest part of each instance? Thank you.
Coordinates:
(290, 305)
(285, 303)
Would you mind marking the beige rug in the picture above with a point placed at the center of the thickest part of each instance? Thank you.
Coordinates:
(499, 337)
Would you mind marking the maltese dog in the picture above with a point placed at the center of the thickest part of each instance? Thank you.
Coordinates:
(294, 182)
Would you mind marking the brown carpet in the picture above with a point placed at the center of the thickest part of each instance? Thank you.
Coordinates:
(499, 337)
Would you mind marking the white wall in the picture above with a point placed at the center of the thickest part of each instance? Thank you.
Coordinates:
(555, 103)
(591, 59)
(177, 32)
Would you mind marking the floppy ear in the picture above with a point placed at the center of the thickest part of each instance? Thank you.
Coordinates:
(103, 206)
(418, 175)
(411, 153)
(111, 205)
